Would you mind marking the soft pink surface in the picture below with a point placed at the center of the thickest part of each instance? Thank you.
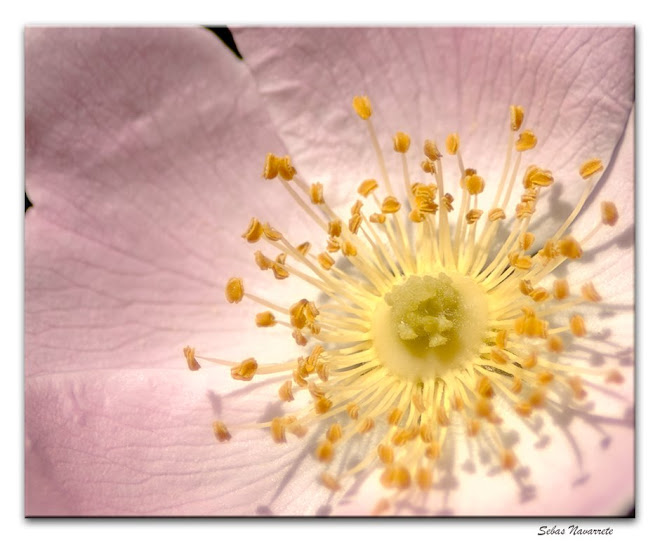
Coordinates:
(143, 155)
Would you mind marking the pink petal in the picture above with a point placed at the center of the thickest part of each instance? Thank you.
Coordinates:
(130, 134)
(576, 85)
(139, 143)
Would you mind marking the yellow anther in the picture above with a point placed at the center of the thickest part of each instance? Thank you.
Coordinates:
(516, 385)
(325, 260)
(333, 245)
(577, 325)
(501, 338)
(189, 353)
(354, 223)
(357, 207)
(220, 431)
(517, 114)
(366, 425)
(539, 295)
(525, 210)
(297, 314)
(298, 379)
(362, 106)
(570, 248)
(537, 177)
(382, 506)
(545, 377)
(498, 356)
(353, 410)
(316, 193)
(526, 141)
(473, 215)
(265, 319)
(322, 371)
(560, 289)
(262, 261)
(285, 169)
(484, 387)
(431, 150)
(468, 173)
(530, 196)
(334, 227)
(424, 478)
(254, 231)
(508, 460)
(447, 201)
(590, 293)
(385, 453)
(245, 370)
(555, 344)
(271, 166)
(234, 290)
(330, 482)
(313, 358)
(432, 451)
(279, 272)
(322, 405)
(525, 286)
(395, 476)
(311, 311)
(496, 214)
(576, 386)
(299, 338)
(473, 426)
(549, 250)
(614, 376)
(418, 402)
(285, 392)
(609, 213)
(590, 167)
(441, 417)
(348, 249)
(524, 409)
(452, 143)
(534, 327)
(277, 430)
(530, 361)
(270, 232)
(367, 186)
(457, 402)
(426, 433)
(416, 216)
(483, 408)
(334, 433)
(537, 398)
(475, 184)
(428, 166)
(521, 262)
(526, 240)
(401, 142)
(390, 205)
(394, 416)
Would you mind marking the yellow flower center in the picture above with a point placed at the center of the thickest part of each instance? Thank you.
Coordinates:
(432, 312)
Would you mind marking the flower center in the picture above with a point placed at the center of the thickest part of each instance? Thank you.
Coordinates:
(430, 325)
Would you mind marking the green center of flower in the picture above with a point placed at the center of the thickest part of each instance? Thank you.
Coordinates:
(424, 310)
(428, 325)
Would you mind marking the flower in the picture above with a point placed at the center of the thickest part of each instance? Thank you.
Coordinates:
(143, 156)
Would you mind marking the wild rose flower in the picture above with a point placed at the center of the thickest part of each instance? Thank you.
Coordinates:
(144, 157)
